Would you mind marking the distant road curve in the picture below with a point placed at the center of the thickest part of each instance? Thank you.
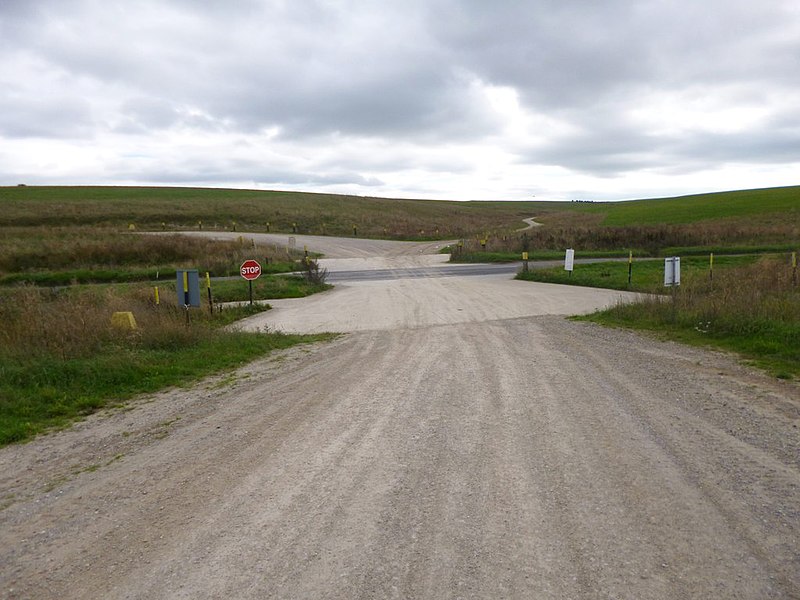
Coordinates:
(531, 221)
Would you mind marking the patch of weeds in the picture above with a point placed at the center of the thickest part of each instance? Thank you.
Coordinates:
(7, 501)
(223, 382)
(53, 484)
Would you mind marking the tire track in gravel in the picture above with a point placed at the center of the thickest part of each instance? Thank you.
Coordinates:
(513, 458)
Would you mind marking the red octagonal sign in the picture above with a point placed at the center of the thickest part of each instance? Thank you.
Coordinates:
(250, 269)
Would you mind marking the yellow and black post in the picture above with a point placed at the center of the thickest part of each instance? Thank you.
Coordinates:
(630, 267)
(711, 269)
(210, 299)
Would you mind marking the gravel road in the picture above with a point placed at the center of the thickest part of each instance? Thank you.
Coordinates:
(494, 456)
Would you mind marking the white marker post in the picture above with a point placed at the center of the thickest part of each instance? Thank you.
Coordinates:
(672, 278)
(569, 261)
(672, 271)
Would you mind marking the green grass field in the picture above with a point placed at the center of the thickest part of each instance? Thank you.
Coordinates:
(751, 306)
(760, 205)
(60, 359)
(250, 210)
(646, 275)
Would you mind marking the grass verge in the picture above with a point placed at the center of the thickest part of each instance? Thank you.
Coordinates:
(61, 359)
(507, 257)
(770, 344)
(266, 288)
(752, 307)
(646, 275)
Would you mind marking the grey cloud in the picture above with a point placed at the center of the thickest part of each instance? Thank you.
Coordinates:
(334, 74)
(192, 169)
(612, 147)
(142, 114)
(45, 117)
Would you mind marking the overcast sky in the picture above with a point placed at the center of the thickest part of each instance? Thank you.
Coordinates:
(469, 99)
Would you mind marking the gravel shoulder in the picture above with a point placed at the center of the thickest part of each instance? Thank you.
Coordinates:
(495, 456)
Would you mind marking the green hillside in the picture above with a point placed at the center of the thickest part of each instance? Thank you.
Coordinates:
(776, 203)
(176, 208)
(331, 214)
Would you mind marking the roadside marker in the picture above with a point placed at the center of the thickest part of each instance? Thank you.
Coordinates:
(630, 267)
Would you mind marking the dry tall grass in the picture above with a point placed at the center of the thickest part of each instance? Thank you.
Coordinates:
(752, 309)
(69, 324)
(31, 249)
(650, 239)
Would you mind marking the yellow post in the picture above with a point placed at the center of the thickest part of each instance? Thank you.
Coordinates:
(210, 299)
(123, 320)
(630, 267)
(711, 268)
(155, 291)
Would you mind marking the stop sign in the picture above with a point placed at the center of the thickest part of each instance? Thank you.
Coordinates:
(250, 270)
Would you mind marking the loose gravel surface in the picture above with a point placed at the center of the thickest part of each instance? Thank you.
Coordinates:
(490, 457)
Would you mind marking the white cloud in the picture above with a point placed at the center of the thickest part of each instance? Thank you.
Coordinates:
(439, 98)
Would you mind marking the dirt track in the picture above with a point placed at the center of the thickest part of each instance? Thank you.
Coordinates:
(491, 457)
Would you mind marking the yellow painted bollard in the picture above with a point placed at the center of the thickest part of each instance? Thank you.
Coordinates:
(210, 298)
(711, 269)
(123, 320)
(630, 267)
(155, 293)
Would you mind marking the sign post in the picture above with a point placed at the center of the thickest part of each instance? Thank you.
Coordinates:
(188, 287)
(569, 261)
(251, 271)
(672, 271)
(672, 278)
